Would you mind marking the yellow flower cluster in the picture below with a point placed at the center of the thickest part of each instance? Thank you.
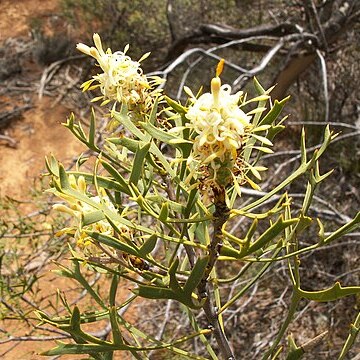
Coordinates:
(77, 209)
(122, 79)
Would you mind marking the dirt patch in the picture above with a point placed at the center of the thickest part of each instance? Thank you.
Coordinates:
(39, 133)
(15, 15)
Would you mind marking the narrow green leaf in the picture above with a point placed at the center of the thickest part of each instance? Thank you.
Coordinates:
(298, 172)
(153, 292)
(176, 106)
(157, 133)
(113, 242)
(308, 197)
(64, 179)
(350, 340)
(137, 168)
(345, 229)
(229, 251)
(92, 128)
(263, 149)
(255, 172)
(148, 245)
(64, 273)
(154, 111)
(330, 294)
(103, 182)
(257, 110)
(274, 130)
(318, 178)
(52, 165)
(295, 352)
(262, 139)
(259, 89)
(275, 111)
(130, 144)
(196, 275)
(63, 349)
(328, 136)
(75, 319)
(91, 218)
(252, 183)
(84, 283)
(270, 234)
(123, 118)
(117, 337)
(164, 212)
(303, 147)
(174, 284)
(174, 206)
(117, 176)
(261, 128)
(113, 289)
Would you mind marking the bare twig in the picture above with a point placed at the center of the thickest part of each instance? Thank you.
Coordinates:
(51, 70)
(325, 83)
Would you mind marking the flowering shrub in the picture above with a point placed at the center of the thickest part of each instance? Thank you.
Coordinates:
(157, 207)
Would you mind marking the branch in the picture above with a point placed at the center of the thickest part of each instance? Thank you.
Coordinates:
(221, 215)
(338, 23)
(220, 34)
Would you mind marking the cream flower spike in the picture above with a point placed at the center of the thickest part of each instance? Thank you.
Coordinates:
(122, 79)
(218, 121)
(221, 129)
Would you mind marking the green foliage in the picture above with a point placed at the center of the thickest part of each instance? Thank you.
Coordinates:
(155, 212)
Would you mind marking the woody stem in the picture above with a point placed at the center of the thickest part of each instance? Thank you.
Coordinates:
(221, 215)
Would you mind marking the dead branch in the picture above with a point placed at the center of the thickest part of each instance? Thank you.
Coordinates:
(346, 13)
(302, 54)
(51, 70)
(220, 34)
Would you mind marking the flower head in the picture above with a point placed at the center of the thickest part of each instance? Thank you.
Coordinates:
(122, 79)
(221, 128)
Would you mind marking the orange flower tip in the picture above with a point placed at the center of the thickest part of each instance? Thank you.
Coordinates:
(220, 67)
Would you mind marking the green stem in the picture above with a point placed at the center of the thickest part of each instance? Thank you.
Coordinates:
(247, 286)
(293, 305)
(354, 332)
